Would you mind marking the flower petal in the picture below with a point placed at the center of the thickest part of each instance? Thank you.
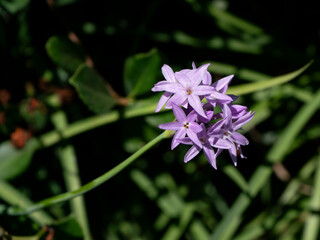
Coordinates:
(183, 79)
(174, 126)
(168, 73)
(199, 75)
(195, 127)
(203, 90)
(221, 96)
(178, 99)
(233, 154)
(192, 152)
(179, 113)
(210, 155)
(228, 116)
(209, 114)
(185, 140)
(242, 120)
(220, 143)
(178, 135)
(195, 102)
(193, 136)
(207, 79)
(239, 138)
(192, 116)
(222, 84)
(171, 87)
(164, 98)
(238, 110)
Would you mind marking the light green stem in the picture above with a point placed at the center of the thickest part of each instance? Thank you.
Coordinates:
(91, 185)
(71, 176)
(311, 227)
(11, 195)
(52, 137)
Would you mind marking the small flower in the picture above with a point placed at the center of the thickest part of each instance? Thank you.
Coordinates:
(227, 136)
(205, 146)
(186, 89)
(185, 125)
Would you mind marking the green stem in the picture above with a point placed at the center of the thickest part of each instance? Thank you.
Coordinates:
(52, 137)
(311, 227)
(68, 161)
(11, 195)
(91, 185)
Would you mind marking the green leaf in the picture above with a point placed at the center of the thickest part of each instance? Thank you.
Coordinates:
(261, 85)
(141, 72)
(15, 161)
(92, 89)
(64, 53)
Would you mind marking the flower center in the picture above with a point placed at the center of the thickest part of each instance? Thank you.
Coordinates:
(203, 140)
(227, 134)
(189, 92)
(186, 125)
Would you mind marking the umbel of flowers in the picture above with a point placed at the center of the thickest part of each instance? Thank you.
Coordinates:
(205, 117)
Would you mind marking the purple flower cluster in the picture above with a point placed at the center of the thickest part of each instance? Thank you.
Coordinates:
(205, 115)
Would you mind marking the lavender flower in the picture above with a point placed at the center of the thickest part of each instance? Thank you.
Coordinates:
(197, 123)
(185, 125)
(187, 89)
(205, 145)
(227, 135)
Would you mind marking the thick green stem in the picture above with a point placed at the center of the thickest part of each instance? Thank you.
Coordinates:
(91, 185)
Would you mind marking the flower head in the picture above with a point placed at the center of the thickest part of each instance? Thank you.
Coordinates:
(197, 123)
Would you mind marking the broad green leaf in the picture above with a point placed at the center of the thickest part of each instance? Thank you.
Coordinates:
(64, 53)
(92, 89)
(261, 85)
(141, 72)
(15, 161)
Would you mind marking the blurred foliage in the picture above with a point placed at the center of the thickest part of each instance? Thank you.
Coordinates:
(98, 60)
